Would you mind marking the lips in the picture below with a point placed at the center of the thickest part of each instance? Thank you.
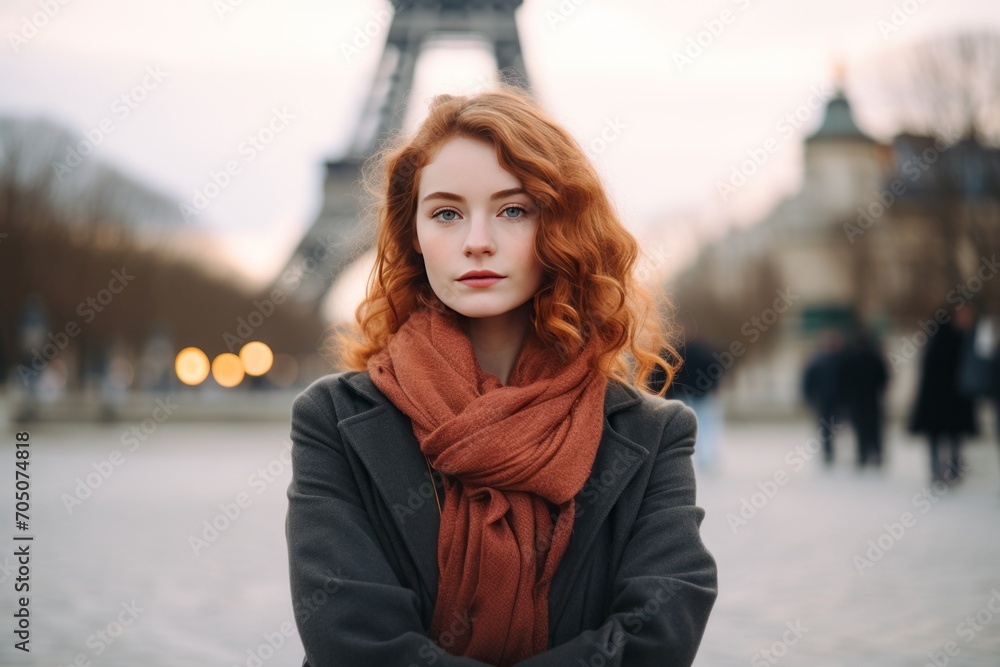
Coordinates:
(480, 279)
(480, 274)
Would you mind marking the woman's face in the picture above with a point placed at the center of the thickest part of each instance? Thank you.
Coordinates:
(472, 215)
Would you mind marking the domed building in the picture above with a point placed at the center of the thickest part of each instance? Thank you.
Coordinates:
(878, 235)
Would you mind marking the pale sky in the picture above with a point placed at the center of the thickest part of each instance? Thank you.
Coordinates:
(682, 129)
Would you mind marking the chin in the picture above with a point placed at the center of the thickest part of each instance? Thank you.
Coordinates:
(479, 310)
(482, 306)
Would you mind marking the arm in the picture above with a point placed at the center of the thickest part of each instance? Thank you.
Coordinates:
(350, 608)
(667, 583)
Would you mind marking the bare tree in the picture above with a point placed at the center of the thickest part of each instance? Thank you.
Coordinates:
(723, 318)
(948, 88)
(62, 234)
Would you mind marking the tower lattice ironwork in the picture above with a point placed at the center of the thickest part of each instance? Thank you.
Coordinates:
(339, 235)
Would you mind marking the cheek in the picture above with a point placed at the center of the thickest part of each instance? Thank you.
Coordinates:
(434, 258)
(529, 263)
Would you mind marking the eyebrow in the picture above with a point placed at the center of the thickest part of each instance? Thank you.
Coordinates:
(496, 195)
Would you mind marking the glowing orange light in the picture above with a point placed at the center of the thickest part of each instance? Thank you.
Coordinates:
(256, 357)
(191, 366)
(227, 369)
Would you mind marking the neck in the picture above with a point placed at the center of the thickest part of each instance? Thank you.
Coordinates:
(497, 340)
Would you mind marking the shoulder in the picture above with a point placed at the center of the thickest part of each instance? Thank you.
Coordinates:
(649, 418)
(330, 397)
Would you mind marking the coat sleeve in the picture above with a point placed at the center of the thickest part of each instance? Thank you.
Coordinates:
(349, 607)
(666, 586)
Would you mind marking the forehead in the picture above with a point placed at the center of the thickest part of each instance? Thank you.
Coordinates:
(463, 165)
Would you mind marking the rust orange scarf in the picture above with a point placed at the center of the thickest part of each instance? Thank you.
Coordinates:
(504, 450)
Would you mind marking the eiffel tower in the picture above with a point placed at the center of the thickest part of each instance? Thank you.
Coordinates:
(339, 235)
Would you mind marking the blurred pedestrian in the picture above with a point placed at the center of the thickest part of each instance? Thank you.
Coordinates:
(941, 410)
(32, 359)
(696, 384)
(863, 379)
(974, 364)
(995, 376)
(980, 373)
(821, 388)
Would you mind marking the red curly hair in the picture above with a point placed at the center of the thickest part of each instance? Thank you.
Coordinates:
(587, 253)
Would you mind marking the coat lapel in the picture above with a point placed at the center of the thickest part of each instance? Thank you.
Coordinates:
(618, 458)
(383, 438)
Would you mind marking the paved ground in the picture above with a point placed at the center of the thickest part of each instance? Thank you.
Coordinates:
(793, 562)
(805, 558)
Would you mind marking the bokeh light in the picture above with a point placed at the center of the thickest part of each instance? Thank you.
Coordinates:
(191, 366)
(257, 358)
(227, 369)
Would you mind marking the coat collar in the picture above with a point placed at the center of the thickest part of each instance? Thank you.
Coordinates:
(383, 438)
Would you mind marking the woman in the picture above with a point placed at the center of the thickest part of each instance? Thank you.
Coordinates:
(484, 486)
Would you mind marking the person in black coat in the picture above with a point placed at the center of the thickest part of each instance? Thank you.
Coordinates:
(635, 587)
(821, 388)
(394, 493)
(696, 383)
(698, 377)
(941, 410)
(995, 383)
(863, 379)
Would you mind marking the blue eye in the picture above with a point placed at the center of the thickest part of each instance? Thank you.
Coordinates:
(443, 212)
(520, 210)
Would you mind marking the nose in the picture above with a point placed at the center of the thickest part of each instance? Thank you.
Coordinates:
(479, 239)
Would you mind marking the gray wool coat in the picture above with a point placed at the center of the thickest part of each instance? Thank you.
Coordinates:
(634, 589)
